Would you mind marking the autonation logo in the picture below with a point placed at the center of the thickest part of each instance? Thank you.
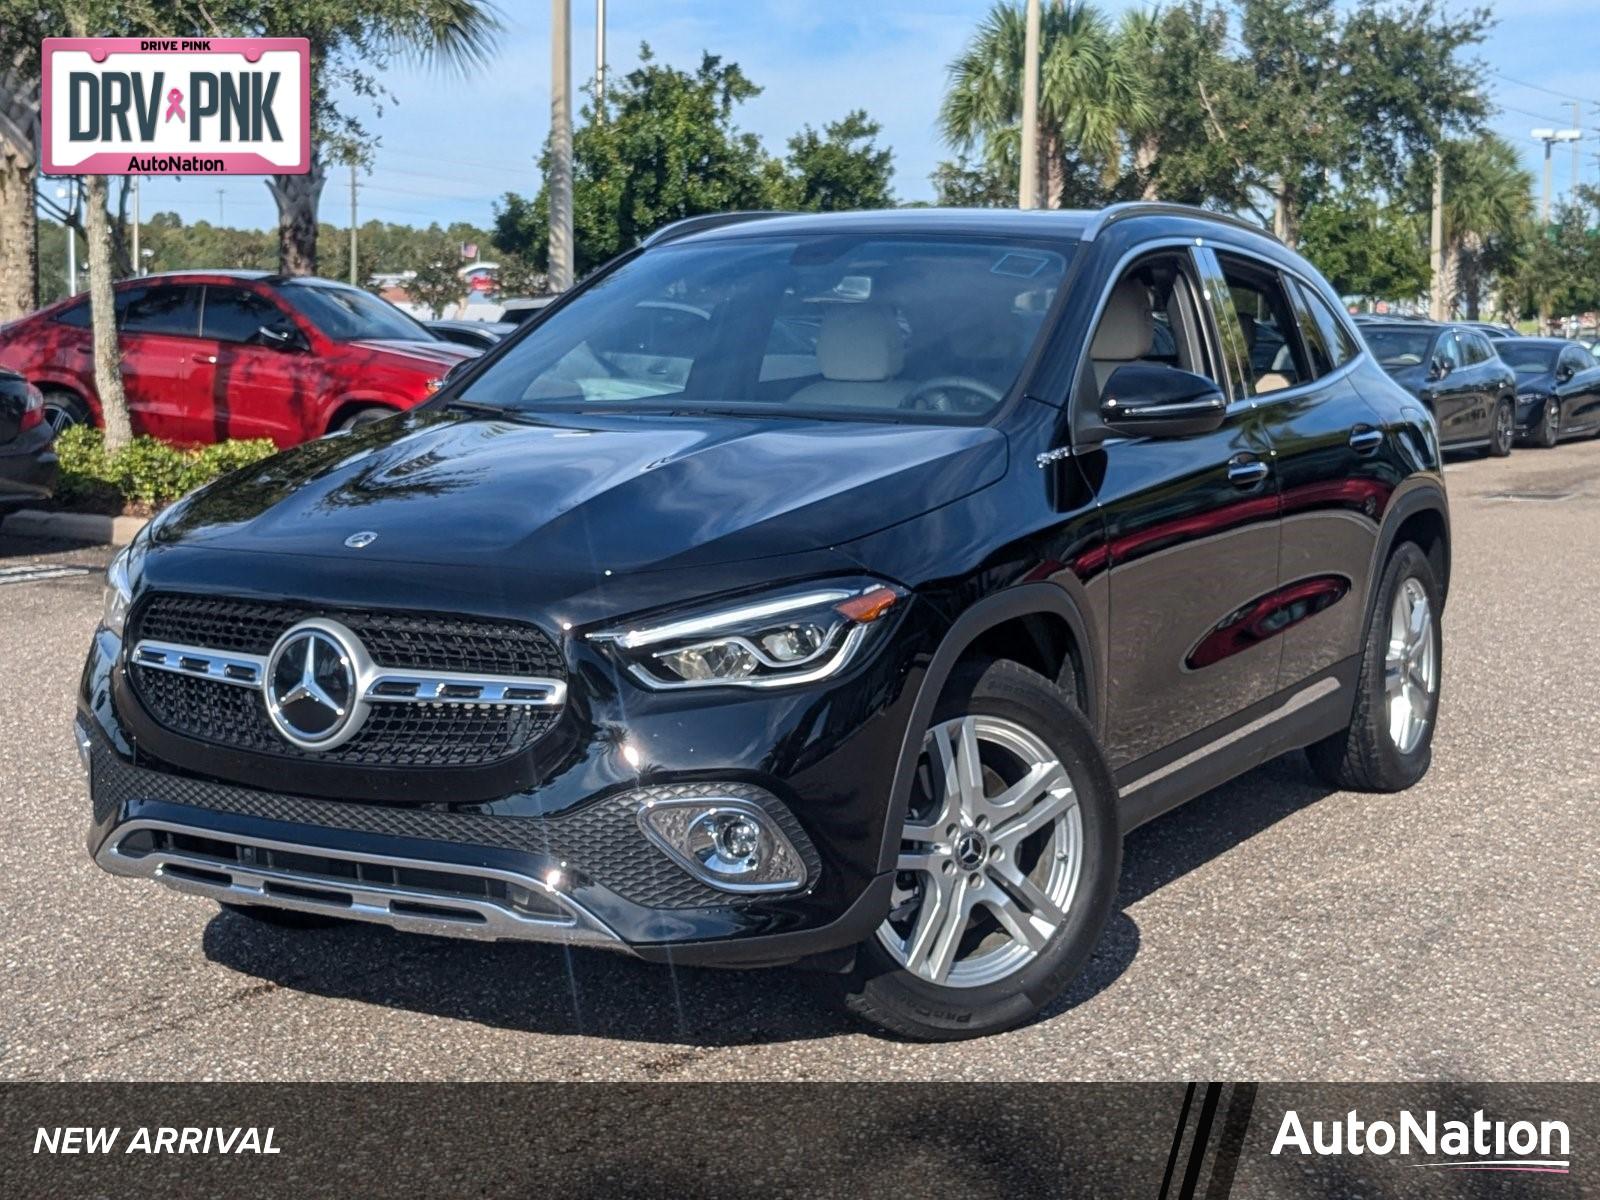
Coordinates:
(1476, 1145)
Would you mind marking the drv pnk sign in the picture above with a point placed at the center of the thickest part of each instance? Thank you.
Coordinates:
(176, 106)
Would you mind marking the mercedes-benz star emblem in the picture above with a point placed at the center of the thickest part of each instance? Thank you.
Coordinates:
(311, 686)
(360, 541)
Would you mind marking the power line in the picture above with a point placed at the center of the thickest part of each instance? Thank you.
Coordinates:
(1548, 91)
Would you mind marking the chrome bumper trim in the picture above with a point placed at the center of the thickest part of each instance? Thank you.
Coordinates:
(413, 909)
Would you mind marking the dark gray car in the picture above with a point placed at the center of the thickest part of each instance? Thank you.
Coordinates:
(1456, 372)
(1558, 389)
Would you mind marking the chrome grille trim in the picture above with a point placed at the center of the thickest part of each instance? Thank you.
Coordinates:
(413, 909)
(379, 684)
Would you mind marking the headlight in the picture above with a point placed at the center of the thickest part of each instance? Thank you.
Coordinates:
(118, 593)
(789, 638)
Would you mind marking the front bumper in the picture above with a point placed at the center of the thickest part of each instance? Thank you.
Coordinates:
(564, 861)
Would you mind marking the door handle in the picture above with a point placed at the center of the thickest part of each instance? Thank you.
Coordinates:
(1246, 471)
(209, 359)
(1364, 439)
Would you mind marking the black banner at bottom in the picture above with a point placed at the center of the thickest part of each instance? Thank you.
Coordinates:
(1163, 1141)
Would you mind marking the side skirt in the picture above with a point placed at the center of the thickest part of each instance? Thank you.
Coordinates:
(1309, 711)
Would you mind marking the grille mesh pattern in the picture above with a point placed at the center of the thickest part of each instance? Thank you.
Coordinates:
(602, 840)
(394, 735)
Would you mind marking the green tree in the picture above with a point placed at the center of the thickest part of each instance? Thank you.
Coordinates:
(1366, 248)
(839, 169)
(1091, 96)
(1487, 204)
(436, 283)
(668, 148)
(961, 183)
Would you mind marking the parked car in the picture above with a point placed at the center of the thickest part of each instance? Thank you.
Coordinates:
(211, 355)
(480, 335)
(868, 667)
(516, 311)
(27, 456)
(1455, 371)
(1558, 389)
(1489, 329)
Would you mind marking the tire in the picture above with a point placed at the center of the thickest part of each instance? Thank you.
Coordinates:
(1369, 755)
(365, 416)
(1548, 431)
(283, 918)
(64, 409)
(1503, 434)
(1001, 973)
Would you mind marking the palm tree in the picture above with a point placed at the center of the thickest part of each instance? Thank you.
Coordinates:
(1090, 94)
(1487, 199)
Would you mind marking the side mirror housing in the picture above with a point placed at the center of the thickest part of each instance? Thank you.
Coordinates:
(1141, 400)
(1565, 372)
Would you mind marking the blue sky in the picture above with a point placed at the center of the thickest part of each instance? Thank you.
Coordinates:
(451, 146)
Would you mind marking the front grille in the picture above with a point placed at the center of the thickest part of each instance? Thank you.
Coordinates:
(394, 735)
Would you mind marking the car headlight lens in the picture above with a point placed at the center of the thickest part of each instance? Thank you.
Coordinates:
(118, 593)
(789, 638)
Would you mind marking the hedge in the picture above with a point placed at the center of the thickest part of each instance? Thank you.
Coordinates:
(146, 473)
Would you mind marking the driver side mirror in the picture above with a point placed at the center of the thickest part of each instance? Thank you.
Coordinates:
(1141, 400)
(1565, 372)
(1439, 367)
(283, 335)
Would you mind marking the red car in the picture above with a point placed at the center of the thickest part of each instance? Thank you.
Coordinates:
(210, 355)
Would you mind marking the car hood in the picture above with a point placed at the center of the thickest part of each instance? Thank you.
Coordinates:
(422, 352)
(585, 496)
(1543, 384)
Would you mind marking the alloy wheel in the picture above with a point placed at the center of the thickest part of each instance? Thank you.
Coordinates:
(1552, 423)
(59, 417)
(1411, 666)
(990, 856)
(1504, 427)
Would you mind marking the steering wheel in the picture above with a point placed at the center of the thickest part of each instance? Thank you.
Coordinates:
(957, 395)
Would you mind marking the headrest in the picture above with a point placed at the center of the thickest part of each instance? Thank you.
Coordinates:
(860, 343)
(1126, 328)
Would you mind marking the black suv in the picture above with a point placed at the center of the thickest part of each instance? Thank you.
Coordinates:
(836, 589)
(1458, 373)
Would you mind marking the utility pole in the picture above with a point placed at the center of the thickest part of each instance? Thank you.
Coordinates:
(560, 180)
(600, 60)
(1550, 137)
(72, 240)
(138, 263)
(221, 222)
(353, 281)
(1577, 155)
(1436, 297)
(1028, 185)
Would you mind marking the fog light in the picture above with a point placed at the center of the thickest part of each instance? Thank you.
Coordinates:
(729, 843)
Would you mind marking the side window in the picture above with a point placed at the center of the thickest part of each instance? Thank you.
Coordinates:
(169, 309)
(1151, 317)
(1582, 359)
(1274, 359)
(77, 316)
(1318, 352)
(1477, 349)
(1336, 336)
(236, 315)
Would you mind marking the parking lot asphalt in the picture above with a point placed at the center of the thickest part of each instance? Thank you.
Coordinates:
(1270, 930)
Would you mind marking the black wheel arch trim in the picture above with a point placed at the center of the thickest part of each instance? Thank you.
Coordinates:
(1416, 495)
(1020, 600)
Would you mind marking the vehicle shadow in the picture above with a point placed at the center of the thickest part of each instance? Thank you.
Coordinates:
(551, 990)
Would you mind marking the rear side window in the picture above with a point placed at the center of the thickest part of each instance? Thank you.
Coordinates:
(164, 309)
(236, 315)
(77, 316)
(1334, 336)
(1267, 321)
(1475, 349)
(1448, 350)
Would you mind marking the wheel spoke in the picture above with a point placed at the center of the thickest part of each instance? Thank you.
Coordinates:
(935, 949)
(929, 862)
(1417, 620)
(1039, 904)
(1041, 777)
(1051, 806)
(1018, 924)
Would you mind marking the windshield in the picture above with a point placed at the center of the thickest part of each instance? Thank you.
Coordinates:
(1529, 359)
(861, 326)
(346, 314)
(1395, 348)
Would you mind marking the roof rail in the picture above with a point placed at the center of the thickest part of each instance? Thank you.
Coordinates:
(1126, 209)
(690, 225)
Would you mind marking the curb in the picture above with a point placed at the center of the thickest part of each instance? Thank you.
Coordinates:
(76, 527)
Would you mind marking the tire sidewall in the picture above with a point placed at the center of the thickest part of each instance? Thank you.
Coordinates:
(1408, 562)
(1006, 690)
(1549, 429)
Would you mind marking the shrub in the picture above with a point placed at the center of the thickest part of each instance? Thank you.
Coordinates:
(146, 473)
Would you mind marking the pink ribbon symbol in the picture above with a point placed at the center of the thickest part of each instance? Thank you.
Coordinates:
(175, 105)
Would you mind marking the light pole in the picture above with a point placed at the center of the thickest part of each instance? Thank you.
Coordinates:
(1550, 137)
(599, 60)
(69, 196)
(1028, 185)
(560, 180)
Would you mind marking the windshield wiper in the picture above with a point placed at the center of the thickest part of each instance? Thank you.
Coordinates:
(480, 407)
